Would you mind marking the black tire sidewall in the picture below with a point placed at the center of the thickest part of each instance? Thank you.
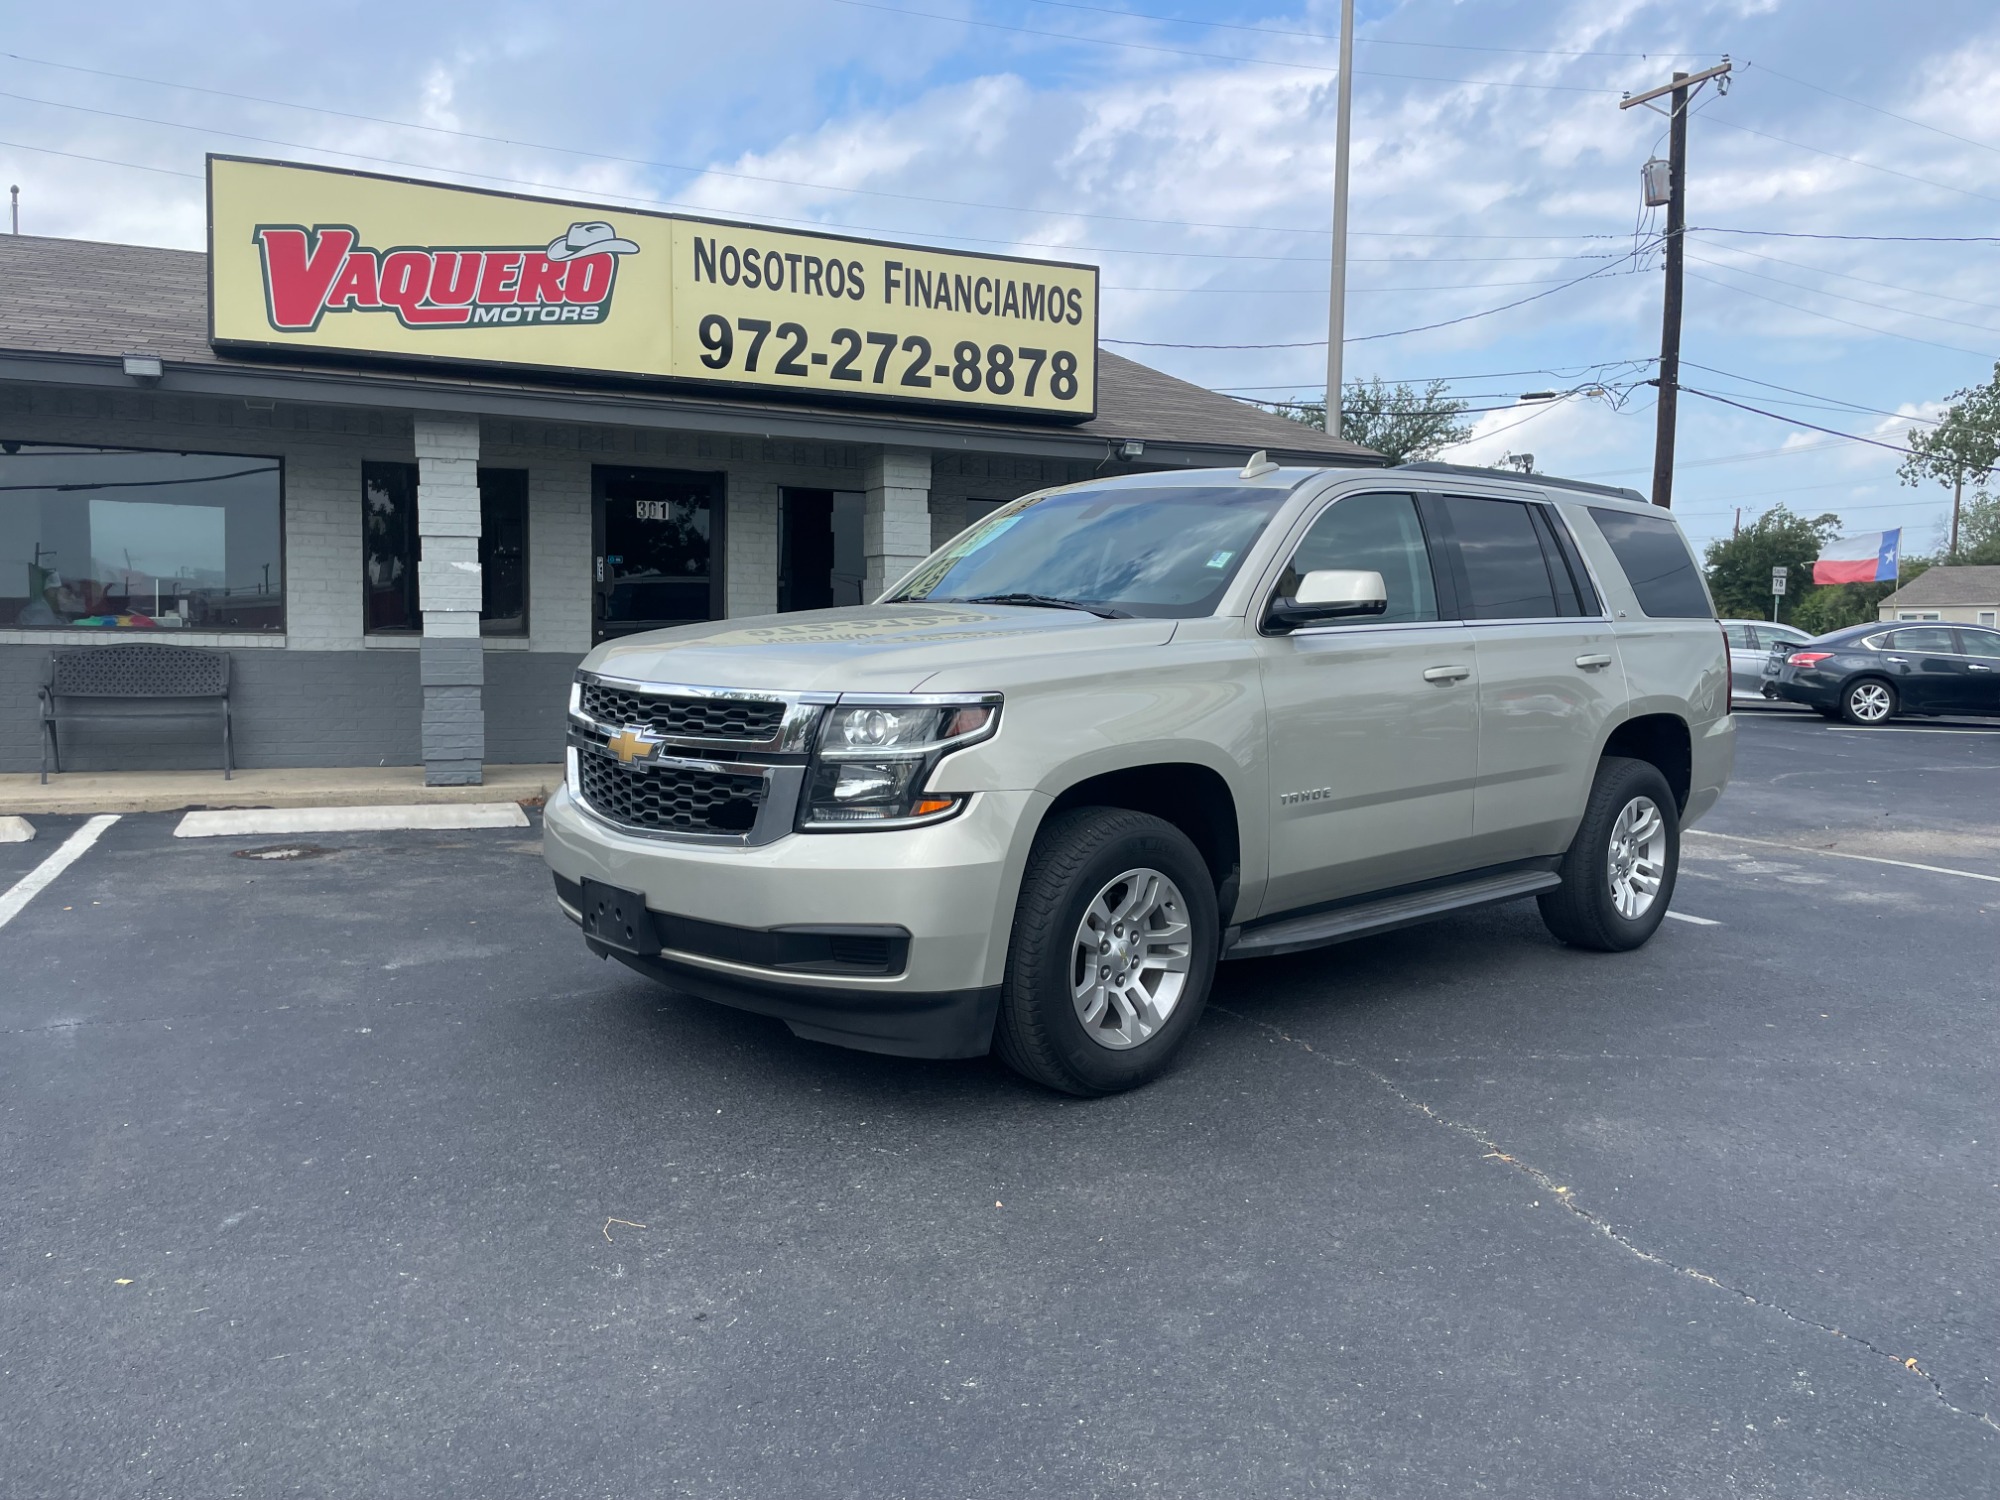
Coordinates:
(1589, 862)
(1044, 978)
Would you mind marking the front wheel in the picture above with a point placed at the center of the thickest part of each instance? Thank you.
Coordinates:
(1618, 874)
(1113, 949)
(1868, 702)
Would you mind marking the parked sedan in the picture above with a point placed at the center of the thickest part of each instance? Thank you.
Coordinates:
(1868, 674)
(1751, 643)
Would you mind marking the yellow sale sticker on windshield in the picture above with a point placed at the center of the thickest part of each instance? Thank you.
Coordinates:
(320, 260)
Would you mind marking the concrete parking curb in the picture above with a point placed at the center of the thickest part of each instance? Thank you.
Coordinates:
(239, 821)
(73, 792)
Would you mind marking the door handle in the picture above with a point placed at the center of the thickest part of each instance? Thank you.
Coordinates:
(1976, 667)
(1446, 674)
(1591, 661)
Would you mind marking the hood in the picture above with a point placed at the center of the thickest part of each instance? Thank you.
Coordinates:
(887, 648)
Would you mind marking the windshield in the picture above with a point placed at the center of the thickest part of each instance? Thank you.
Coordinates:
(1167, 552)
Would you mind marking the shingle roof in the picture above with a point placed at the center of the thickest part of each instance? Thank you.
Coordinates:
(85, 297)
(1953, 584)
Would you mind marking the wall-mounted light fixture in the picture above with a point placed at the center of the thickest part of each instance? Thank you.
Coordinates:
(1131, 448)
(144, 366)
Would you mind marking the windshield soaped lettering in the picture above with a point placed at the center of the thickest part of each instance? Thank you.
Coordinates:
(1168, 552)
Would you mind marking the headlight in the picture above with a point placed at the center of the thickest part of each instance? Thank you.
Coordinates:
(874, 758)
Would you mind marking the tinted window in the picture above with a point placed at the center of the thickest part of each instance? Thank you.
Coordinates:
(1741, 637)
(1778, 635)
(390, 547)
(1656, 563)
(1506, 572)
(1933, 638)
(126, 539)
(1167, 551)
(1979, 642)
(1377, 534)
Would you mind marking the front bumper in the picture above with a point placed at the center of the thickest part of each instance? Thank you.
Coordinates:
(950, 886)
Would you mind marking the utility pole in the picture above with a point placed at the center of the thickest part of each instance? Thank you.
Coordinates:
(1336, 311)
(14, 192)
(1683, 89)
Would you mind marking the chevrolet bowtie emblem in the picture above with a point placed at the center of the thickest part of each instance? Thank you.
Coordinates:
(632, 744)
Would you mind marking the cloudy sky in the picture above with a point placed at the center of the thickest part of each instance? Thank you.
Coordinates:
(1187, 148)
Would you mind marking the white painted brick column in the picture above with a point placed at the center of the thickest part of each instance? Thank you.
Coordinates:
(750, 540)
(448, 589)
(896, 526)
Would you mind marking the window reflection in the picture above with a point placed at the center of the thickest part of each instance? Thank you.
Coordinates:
(134, 539)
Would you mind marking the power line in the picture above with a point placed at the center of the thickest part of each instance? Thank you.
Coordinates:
(1265, 62)
(1779, 260)
(1744, 291)
(1325, 36)
(1864, 104)
(1836, 156)
(1752, 380)
(824, 187)
(1843, 297)
(1560, 372)
(1851, 437)
(1891, 239)
(137, 166)
(1320, 291)
(1369, 337)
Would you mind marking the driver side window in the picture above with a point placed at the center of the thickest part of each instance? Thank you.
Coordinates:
(1376, 533)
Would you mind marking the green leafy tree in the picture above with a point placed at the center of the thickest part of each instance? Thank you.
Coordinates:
(1739, 567)
(1979, 531)
(1962, 449)
(1400, 422)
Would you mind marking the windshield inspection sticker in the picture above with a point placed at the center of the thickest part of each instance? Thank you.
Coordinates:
(1220, 560)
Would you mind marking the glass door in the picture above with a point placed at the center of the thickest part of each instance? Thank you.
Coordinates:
(658, 549)
(820, 562)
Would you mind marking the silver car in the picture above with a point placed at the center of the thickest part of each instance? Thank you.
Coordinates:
(1751, 643)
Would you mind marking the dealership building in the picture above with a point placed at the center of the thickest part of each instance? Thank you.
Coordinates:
(406, 490)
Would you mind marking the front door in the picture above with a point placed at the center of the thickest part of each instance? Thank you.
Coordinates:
(820, 561)
(657, 549)
(1372, 723)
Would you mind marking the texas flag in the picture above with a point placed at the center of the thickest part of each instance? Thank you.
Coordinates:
(1868, 558)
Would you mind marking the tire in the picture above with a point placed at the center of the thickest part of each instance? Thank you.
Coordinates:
(1868, 701)
(1585, 910)
(1074, 875)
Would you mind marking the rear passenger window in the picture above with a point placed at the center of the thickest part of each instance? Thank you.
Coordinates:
(1741, 637)
(1935, 639)
(1656, 563)
(1376, 534)
(1506, 571)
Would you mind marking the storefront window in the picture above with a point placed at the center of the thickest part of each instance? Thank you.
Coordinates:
(390, 548)
(135, 539)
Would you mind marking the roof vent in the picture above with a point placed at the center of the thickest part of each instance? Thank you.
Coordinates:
(1260, 464)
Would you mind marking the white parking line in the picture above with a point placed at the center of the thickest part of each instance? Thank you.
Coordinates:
(1873, 859)
(233, 821)
(1972, 729)
(1681, 916)
(36, 880)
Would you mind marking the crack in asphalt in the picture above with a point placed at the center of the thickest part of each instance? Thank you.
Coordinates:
(1566, 1197)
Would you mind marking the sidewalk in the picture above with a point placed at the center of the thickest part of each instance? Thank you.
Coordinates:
(334, 786)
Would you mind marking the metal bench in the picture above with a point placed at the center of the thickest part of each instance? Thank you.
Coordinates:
(131, 670)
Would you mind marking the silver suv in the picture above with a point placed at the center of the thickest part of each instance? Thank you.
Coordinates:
(1119, 731)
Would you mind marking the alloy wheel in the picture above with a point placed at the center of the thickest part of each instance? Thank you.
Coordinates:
(1869, 702)
(1638, 857)
(1129, 962)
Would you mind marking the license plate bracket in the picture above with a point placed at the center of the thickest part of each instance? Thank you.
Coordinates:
(618, 918)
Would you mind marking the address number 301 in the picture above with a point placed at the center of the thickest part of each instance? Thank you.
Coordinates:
(872, 358)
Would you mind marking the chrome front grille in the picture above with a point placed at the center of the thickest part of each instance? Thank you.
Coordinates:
(753, 721)
(670, 798)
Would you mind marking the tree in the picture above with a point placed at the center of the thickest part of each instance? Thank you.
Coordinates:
(1399, 422)
(1739, 567)
(1964, 447)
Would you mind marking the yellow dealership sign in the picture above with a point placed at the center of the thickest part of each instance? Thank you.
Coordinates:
(319, 261)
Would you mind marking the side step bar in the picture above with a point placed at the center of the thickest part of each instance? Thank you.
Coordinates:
(1316, 930)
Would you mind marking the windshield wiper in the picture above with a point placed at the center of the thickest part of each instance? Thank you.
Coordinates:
(1046, 601)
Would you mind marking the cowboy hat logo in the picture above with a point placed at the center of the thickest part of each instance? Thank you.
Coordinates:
(593, 237)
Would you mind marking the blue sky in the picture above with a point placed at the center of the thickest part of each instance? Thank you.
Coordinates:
(1187, 148)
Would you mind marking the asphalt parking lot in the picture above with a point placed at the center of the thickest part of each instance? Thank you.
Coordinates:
(354, 1174)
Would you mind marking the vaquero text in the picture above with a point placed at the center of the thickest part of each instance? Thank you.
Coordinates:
(309, 273)
(778, 270)
(988, 296)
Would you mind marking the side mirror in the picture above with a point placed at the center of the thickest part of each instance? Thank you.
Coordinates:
(1330, 594)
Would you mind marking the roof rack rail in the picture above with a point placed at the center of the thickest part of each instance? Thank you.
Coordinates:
(1474, 471)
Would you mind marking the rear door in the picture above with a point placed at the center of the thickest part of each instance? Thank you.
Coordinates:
(1746, 662)
(1372, 725)
(1550, 676)
(1981, 649)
